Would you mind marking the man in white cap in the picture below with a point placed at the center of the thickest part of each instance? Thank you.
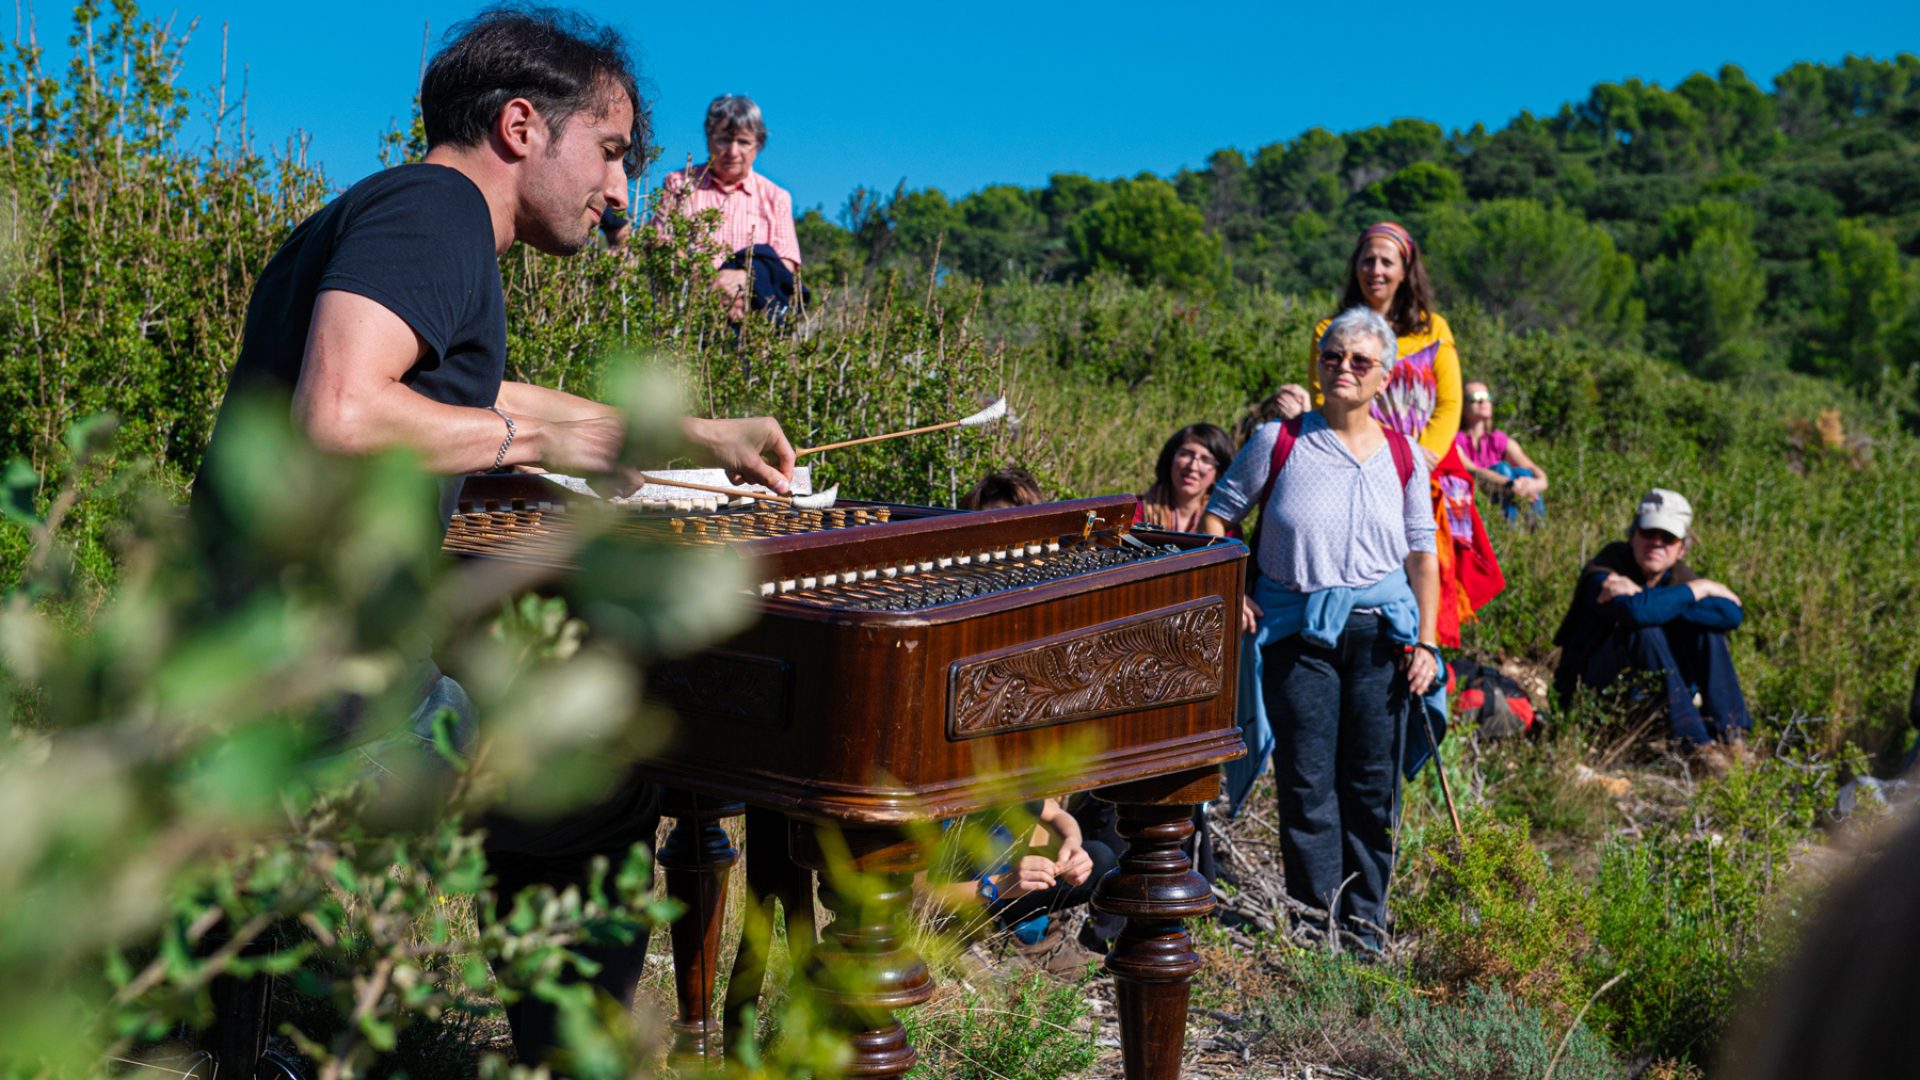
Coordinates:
(1640, 607)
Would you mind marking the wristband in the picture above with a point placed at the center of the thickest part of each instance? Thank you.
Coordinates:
(500, 459)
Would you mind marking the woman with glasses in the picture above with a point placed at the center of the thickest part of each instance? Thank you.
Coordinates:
(1343, 611)
(1388, 276)
(1190, 464)
(1496, 460)
(754, 246)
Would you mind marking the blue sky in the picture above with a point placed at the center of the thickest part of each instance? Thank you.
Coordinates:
(961, 96)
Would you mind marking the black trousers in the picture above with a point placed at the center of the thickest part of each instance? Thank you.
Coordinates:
(1339, 716)
(559, 851)
(1099, 823)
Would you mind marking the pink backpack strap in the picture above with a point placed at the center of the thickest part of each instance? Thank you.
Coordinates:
(1282, 449)
(1401, 448)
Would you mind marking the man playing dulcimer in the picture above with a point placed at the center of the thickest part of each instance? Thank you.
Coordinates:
(384, 319)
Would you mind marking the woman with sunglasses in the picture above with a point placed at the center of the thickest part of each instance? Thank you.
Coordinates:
(1496, 460)
(1421, 400)
(1343, 612)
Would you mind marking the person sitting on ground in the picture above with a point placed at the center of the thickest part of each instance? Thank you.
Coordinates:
(1025, 884)
(755, 248)
(1003, 488)
(1190, 464)
(1640, 607)
(1496, 460)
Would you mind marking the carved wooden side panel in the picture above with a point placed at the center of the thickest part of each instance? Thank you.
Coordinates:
(725, 684)
(1165, 657)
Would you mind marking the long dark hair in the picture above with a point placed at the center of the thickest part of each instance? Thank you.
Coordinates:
(1411, 311)
(1159, 497)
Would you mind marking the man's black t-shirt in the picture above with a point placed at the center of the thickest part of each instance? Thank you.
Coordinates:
(418, 240)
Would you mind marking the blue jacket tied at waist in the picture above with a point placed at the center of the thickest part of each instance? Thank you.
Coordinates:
(1320, 617)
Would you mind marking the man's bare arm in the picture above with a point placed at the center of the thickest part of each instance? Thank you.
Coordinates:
(518, 398)
(350, 400)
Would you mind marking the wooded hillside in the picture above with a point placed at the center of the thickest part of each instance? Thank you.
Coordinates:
(1719, 223)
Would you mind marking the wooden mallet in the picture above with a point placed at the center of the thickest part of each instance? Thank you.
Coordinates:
(995, 410)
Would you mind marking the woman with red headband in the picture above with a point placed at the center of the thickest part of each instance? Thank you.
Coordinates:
(1422, 401)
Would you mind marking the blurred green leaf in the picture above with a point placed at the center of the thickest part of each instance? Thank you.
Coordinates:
(19, 486)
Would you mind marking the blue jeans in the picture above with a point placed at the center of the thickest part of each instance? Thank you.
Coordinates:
(1339, 719)
(1505, 500)
(1687, 658)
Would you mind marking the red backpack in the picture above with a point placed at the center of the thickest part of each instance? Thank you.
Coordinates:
(1397, 444)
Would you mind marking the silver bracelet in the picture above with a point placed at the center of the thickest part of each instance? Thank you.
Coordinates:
(500, 459)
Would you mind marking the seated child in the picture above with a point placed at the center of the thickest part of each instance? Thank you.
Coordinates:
(1024, 878)
(1002, 488)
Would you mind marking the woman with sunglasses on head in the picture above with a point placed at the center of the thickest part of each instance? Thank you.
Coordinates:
(1343, 612)
(1422, 399)
(1496, 460)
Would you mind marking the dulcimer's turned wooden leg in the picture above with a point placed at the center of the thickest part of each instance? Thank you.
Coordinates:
(697, 857)
(1154, 888)
(863, 969)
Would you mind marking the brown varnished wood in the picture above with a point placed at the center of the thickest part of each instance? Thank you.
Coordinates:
(846, 753)
(697, 858)
(1155, 889)
(846, 718)
(863, 969)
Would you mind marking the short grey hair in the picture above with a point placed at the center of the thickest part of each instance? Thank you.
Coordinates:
(735, 112)
(1364, 322)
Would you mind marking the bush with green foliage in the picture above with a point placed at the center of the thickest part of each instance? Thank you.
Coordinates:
(1490, 911)
(1032, 1028)
(1371, 1022)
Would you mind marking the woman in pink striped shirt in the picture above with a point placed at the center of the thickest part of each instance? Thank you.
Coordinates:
(756, 214)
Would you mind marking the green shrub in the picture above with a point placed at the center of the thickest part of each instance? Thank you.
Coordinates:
(1365, 1020)
(1491, 911)
(1698, 914)
(1030, 1029)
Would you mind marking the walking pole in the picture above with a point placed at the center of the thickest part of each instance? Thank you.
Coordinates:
(1439, 766)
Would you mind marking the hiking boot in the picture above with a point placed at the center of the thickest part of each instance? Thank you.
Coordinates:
(1056, 953)
(1710, 759)
(1737, 749)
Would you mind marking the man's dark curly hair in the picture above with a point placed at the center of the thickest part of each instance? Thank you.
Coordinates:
(560, 61)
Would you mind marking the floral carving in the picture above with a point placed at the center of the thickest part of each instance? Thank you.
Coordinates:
(1165, 657)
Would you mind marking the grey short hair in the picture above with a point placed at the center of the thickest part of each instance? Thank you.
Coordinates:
(1364, 322)
(735, 112)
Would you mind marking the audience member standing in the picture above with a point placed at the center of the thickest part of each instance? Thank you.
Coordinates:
(1422, 401)
(1345, 602)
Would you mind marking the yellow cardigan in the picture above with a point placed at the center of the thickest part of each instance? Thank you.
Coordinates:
(1409, 386)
